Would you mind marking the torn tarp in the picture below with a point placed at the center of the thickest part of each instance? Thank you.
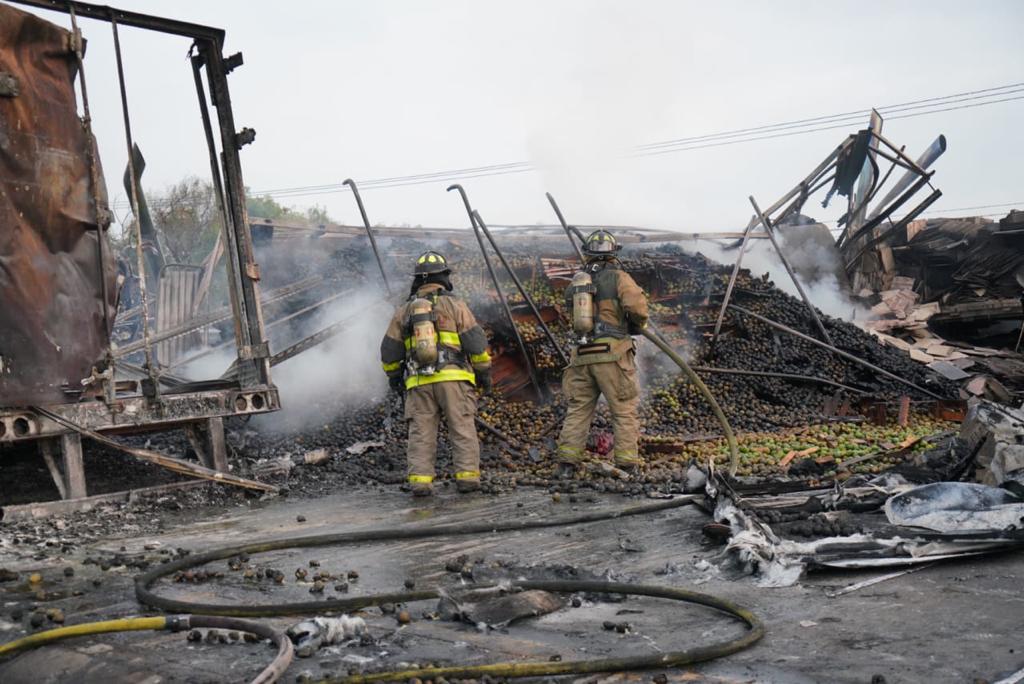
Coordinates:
(780, 562)
(956, 507)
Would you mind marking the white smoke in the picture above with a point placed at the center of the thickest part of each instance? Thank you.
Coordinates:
(210, 366)
(589, 113)
(581, 142)
(323, 382)
(815, 266)
(342, 373)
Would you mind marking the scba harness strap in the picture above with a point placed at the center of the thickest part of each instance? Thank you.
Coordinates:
(449, 351)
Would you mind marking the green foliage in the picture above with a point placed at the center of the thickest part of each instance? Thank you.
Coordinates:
(318, 215)
(188, 218)
(267, 207)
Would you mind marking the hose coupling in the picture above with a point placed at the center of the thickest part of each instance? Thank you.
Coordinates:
(178, 623)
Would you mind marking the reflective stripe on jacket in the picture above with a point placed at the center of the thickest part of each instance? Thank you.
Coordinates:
(458, 333)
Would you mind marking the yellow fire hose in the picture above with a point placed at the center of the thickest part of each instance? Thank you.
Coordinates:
(107, 626)
(270, 674)
(226, 616)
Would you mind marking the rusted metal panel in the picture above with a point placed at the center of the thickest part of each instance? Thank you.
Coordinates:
(954, 411)
(52, 327)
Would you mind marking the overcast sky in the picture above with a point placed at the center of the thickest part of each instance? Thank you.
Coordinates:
(381, 89)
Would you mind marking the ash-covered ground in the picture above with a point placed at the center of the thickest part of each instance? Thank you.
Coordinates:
(955, 621)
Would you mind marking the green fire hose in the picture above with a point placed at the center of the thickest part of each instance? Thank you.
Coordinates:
(145, 594)
(734, 455)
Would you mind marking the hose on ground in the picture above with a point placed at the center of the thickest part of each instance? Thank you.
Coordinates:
(734, 454)
(145, 594)
(145, 581)
(659, 659)
(271, 673)
(105, 627)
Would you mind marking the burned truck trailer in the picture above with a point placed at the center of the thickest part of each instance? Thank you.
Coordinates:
(61, 375)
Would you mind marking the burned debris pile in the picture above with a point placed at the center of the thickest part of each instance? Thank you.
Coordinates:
(960, 498)
(256, 355)
(783, 390)
(951, 298)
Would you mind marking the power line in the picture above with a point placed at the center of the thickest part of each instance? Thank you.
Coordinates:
(520, 167)
(727, 138)
(375, 181)
(905, 106)
(1018, 203)
(724, 143)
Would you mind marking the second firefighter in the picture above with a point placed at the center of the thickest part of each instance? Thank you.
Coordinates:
(608, 307)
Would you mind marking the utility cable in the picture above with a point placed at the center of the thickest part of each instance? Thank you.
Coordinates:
(932, 105)
(833, 118)
(726, 143)
(648, 150)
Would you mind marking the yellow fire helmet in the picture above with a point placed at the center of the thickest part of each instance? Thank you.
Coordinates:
(600, 243)
(431, 262)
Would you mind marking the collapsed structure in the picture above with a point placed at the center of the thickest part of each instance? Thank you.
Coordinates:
(834, 419)
(952, 300)
(775, 362)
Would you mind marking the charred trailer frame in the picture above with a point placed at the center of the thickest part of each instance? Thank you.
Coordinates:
(111, 405)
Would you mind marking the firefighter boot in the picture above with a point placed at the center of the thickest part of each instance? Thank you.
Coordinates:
(630, 466)
(422, 489)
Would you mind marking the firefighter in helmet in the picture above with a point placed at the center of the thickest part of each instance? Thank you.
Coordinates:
(435, 351)
(608, 307)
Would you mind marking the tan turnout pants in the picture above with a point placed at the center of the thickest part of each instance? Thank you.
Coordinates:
(583, 385)
(424, 406)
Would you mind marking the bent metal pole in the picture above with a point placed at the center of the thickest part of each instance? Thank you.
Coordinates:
(369, 233)
(522, 290)
(732, 280)
(501, 295)
(147, 344)
(565, 226)
(770, 229)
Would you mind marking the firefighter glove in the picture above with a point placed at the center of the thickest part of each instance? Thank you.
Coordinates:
(483, 381)
(396, 383)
